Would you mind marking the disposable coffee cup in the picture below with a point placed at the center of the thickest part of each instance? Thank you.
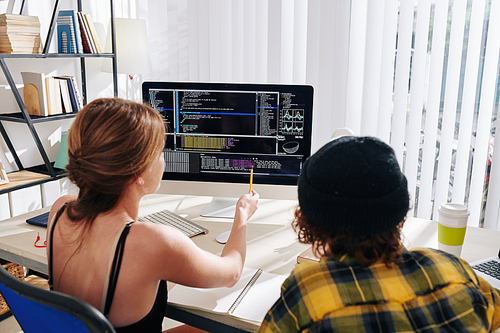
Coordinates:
(452, 224)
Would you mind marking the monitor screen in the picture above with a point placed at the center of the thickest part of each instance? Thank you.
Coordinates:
(218, 132)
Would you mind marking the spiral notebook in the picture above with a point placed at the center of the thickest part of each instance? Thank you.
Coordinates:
(249, 299)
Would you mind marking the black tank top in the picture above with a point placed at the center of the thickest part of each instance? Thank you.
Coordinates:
(152, 322)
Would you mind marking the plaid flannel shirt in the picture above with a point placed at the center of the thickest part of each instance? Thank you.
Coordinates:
(430, 291)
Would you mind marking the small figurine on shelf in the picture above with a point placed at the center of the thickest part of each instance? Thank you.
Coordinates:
(3, 175)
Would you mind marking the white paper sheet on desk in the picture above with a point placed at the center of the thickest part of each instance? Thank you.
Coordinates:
(254, 305)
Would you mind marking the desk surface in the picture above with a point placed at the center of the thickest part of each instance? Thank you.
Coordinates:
(271, 243)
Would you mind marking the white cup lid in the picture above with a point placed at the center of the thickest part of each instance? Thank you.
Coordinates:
(454, 209)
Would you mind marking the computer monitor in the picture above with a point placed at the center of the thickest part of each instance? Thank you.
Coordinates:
(218, 132)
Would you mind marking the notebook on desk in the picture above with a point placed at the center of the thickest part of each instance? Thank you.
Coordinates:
(39, 220)
(249, 299)
(488, 269)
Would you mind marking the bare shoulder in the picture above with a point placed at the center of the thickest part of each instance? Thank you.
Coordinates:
(63, 199)
(59, 203)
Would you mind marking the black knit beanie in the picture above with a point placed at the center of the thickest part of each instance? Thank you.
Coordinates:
(353, 186)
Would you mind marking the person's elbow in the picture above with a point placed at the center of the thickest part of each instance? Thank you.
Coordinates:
(233, 277)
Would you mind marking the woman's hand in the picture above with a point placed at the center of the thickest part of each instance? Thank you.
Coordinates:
(246, 206)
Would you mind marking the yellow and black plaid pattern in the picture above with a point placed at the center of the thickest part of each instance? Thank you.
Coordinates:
(430, 291)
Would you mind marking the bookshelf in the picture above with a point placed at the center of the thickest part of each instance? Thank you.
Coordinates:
(26, 177)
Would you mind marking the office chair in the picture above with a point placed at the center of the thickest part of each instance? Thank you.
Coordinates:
(40, 310)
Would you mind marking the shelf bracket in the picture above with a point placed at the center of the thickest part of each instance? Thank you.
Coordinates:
(52, 28)
(83, 71)
(113, 49)
(11, 147)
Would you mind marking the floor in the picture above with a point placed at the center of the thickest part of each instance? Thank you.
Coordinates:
(10, 325)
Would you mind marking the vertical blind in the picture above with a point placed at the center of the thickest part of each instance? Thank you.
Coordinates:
(421, 75)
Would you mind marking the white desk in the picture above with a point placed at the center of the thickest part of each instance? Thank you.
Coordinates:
(272, 245)
(17, 240)
(478, 244)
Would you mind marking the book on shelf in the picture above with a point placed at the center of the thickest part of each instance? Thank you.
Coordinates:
(19, 34)
(76, 33)
(20, 23)
(71, 17)
(20, 29)
(87, 42)
(66, 35)
(64, 38)
(75, 104)
(53, 96)
(93, 33)
(8, 17)
(307, 256)
(25, 40)
(249, 299)
(44, 95)
(65, 97)
(77, 93)
(19, 44)
(35, 93)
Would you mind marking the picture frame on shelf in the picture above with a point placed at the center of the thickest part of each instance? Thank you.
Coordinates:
(3, 175)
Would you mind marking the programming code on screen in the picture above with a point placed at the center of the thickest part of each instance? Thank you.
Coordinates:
(220, 132)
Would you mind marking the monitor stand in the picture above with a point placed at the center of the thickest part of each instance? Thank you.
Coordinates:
(220, 207)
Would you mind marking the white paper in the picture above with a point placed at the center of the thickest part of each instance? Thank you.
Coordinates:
(260, 297)
(264, 293)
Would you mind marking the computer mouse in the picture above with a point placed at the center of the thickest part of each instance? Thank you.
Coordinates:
(222, 238)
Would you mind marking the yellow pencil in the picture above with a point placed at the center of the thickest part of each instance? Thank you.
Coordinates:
(251, 179)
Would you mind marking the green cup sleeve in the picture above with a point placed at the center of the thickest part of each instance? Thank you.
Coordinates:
(451, 236)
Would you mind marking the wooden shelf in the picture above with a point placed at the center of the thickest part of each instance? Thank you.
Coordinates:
(23, 177)
(34, 175)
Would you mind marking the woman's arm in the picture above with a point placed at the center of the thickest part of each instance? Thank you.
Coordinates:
(179, 260)
(236, 245)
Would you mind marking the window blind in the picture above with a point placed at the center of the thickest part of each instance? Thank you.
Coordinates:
(421, 75)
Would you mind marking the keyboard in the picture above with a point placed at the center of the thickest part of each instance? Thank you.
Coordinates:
(166, 217)
(491, 268)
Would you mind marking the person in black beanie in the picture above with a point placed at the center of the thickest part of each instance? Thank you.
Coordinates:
(353, 201)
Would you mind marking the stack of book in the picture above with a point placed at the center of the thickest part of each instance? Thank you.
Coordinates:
(19, 34)
(45, 96)
(76, 33)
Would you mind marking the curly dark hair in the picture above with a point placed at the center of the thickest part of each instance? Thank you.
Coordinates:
(384, 246)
